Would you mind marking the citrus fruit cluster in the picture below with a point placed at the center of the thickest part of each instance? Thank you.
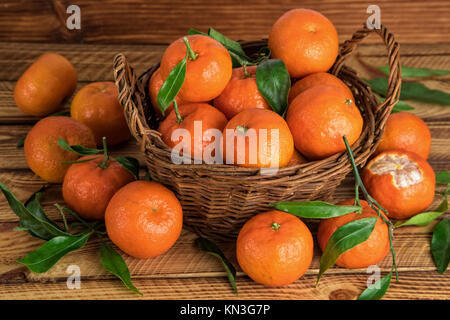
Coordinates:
(321, 107)
(399, 177)
(144, 218)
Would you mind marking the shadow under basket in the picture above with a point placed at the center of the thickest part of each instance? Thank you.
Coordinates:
(218, 199)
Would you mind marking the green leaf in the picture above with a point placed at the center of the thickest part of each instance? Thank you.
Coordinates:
(315, 209)
(412, 91)
(192, 32)
(34, 206)
(401, 106)
(131, 164)
(172, 85)
(424, 218)
(20, 143)
(417, 72)
(82, 151)
(440, 245)
(274, 82)
(344, 238)
(443, 177)
(35, 222)
(234, 48)
(378, 289)
(114, 263)
(50, 252)
(212, 249)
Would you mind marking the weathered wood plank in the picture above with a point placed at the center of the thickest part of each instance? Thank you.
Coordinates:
(139, 21)
(412, 285)
(184, 259)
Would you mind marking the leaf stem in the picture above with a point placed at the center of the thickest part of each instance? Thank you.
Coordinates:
(372, 202)
(63, 216)
(191, 53)
(177, 112)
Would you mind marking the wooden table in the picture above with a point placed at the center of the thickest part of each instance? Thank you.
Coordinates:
(28, 29)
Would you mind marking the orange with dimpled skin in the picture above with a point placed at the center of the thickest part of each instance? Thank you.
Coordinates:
(402, 182)
(319, 117)
(316, 79)
(367, 253)
(274, 248)
(241, 93)
(144, 219)
(42, 152)
(206, 75)
(305, 40)
(405, 131)
(154, 85)
(45, 85)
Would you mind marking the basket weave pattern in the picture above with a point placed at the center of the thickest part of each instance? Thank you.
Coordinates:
(218, 199)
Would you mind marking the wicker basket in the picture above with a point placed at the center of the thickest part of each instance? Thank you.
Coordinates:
(218, 199)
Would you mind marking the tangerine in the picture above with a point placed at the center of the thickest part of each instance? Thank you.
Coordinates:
(42, 152)
(202, 115)
(97, 106)
(401, 182)
(257, 138)
(305, 40)
(208, 67)
(144, 219)
(319, 117)
(274, 248)
(405, 131)
(241, 93)
(315, 79)
(88, 186)
(365, 254)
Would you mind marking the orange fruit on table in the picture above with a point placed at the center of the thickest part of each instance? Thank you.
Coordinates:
(45, 85)
(144, 219)
(296, 159)
(316, 79)
(206, 75)
(97, 106)
(319, 117)
(305, 40)
(274, 248)
(42, 152)
(401, 182)
(241, 93)
(88, 186)
(405, 131)
(257, 138)
(154, 85)
(367, 253)
(205, 116)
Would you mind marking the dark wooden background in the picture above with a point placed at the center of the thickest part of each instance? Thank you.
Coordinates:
(141, 29)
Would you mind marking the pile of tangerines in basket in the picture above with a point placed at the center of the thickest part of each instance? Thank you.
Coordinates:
(202, 82)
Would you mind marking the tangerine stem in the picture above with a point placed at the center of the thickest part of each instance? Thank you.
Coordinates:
(276, 226)
(105, 153)
(191, 53)
(177, 112)
(246, 74)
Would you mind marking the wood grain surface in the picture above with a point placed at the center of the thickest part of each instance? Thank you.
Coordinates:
(185, 272)
(143, 21)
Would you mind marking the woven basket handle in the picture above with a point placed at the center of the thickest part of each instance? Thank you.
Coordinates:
(394, 79)
(131, 95)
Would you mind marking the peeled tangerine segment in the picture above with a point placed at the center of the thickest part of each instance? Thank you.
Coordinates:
(405, 172)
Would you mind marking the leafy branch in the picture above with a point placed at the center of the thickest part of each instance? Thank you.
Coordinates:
(59, 241)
